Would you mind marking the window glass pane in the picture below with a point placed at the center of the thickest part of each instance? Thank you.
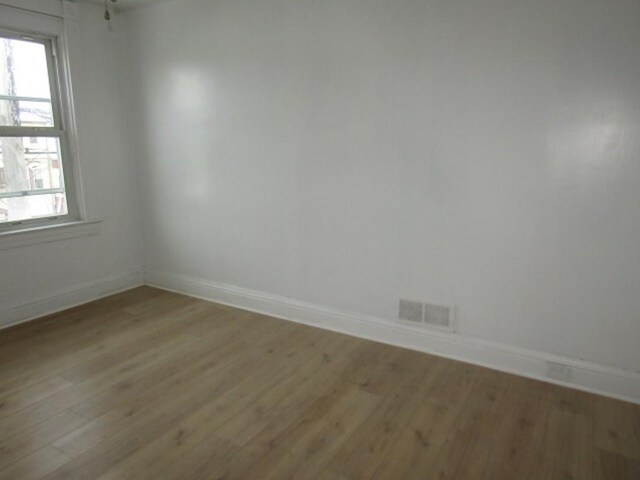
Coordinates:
(29, 168)
(25, 95)
(28, 208)
(19, 113)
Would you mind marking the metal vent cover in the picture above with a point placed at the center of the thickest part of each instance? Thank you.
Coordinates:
(410, 311)
(437, 315)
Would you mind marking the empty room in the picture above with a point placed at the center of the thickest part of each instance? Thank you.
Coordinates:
(320, 239)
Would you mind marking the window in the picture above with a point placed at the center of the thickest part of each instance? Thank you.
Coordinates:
(35, 169)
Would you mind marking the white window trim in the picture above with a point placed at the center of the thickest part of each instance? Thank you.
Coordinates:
(76, 223)
(48, 233)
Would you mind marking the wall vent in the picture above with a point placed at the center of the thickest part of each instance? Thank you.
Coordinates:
(437, 316)
(410, 311)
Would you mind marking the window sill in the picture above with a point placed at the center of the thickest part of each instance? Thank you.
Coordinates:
(48, 233)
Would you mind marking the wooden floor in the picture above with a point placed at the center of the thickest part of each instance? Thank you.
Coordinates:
(153, 385)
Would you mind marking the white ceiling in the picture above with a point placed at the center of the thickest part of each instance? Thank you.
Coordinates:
(121, 4)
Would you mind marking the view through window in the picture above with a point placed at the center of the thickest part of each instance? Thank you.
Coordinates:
(32, 184)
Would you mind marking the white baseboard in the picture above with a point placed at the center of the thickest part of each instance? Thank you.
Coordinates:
(69, 297)
(587, 376)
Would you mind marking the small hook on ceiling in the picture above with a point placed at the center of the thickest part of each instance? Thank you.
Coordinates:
(107, 13)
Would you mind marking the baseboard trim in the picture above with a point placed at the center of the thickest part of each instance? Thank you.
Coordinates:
(591, 377)
(69, 297)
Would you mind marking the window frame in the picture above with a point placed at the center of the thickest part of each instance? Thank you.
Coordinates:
(62, 114)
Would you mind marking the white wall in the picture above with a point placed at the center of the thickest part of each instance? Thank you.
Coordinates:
(348, 153)
(57, 270)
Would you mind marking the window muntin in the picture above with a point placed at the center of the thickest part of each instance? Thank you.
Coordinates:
(24, 84)
(33, 163)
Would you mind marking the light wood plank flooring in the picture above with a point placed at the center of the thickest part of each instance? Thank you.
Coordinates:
(152, 385)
